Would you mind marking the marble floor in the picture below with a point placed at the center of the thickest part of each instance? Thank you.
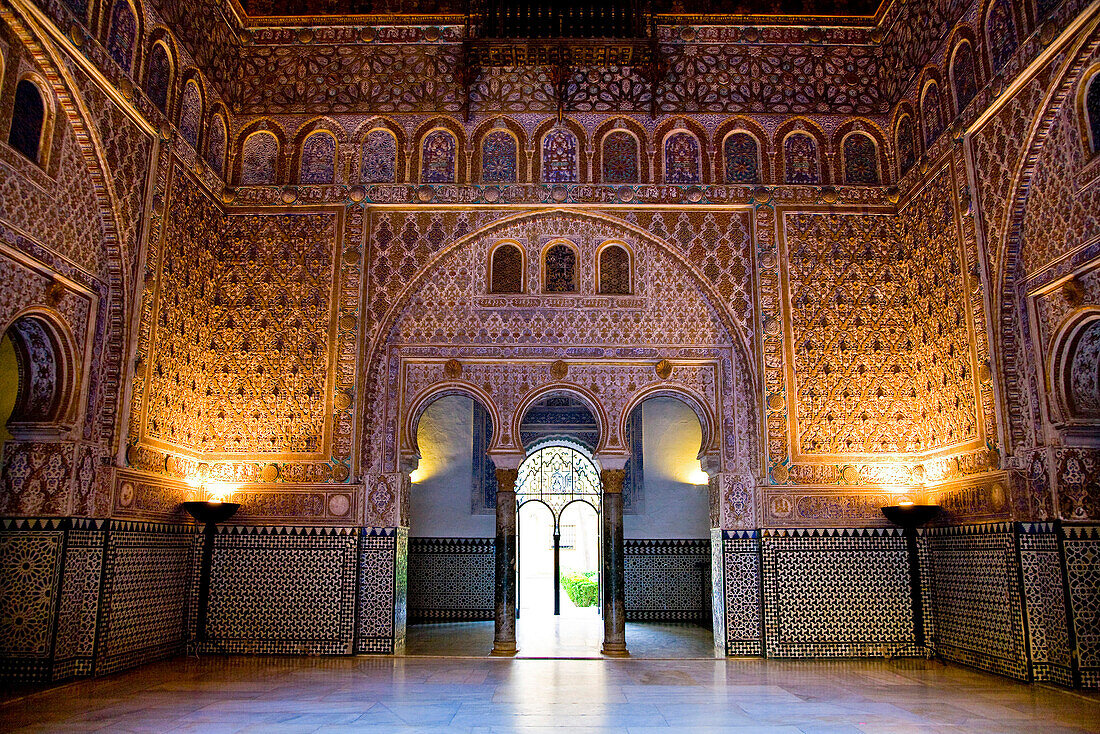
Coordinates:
(567, 636)
(387, 694)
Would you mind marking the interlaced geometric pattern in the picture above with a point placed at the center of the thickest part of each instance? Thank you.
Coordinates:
(742, 157)
(379, 158)
(271, 335)
(620, 157)
(559, 156)
(259, 159)
(318, 159)
(498, 157)
(682, 159)
(191, 113)
(860, 160)
(800, 158)
(614, 271)
(556, 476)
(561, 269)
(437, 164)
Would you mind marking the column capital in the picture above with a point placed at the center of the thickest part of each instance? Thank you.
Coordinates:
(507, 459)
(612, 480)
(506, 479)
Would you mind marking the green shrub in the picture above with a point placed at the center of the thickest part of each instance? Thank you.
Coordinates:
(582, 588)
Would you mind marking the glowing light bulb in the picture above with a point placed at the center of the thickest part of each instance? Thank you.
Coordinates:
(416, 475)
(906, 503)
(698, 477)
(218, 492)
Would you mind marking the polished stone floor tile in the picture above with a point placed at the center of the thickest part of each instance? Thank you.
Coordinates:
(420, 694)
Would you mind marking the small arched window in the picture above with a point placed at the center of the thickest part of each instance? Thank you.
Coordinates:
(27, 120)
(379, 157)
(1092, 112)
(907, 144)
(620, 158)
(318, 162)
(259, 159)
(158, 76)
(800, 159)
(932, 113)
(437, 158)
(614, 271)
(215, 144)
(741, 155)
(122, 34)
(506, 270)
(682, 159)
(498, 157)
(1000, 30)
(860, 160)
(559, 156)
(964, 75)
(560, 269)
(191, 113)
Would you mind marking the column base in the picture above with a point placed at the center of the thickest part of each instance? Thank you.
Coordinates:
(614, 650)
(503, 649)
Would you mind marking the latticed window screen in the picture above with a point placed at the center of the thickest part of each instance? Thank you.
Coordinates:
(507, 270)
(561, 269)
(614, 271)
(558, 475)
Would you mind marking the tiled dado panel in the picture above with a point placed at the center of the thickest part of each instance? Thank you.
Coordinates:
(1045, 603)
(1082, 548)
(30, 573)
(837, 592)
(451, 579)
(146, 583)
(283, 590)
(383, 578)
(976, 597)
(667, 580)
(741, 585)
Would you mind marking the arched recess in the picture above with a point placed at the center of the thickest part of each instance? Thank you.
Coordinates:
(507, 268)
(424, 136)
(381, 153)
(123, 33)
(49, 373)
(570, 390)
(933, 113)
(66, 101)
(670, 129)
(539, 137)
(420, 402)
(32, 120)
(622, 126)
(786, 147)
(412, 313)
(217, 138)
(318, 151)
(1012, 354)
(964, 68)
(742, 126)
(192, 109)
(1088, 109)
(259, 170)
(709, 445)
(160, 69)
(560, 267)
(614, 269)
(878, 138)
(489, 165)
(906, 144)
(1074, 367)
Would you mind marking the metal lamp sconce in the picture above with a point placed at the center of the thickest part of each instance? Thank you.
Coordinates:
(909, 515)
(209, 512)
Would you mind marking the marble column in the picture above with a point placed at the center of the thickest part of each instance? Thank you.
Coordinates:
(613, 576)
(504, 633)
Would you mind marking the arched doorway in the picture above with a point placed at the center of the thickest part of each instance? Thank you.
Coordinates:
(558, 498)
(451, 526)
(666, 532)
